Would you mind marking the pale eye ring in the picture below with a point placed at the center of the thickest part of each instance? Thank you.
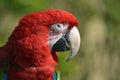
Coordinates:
(59, 28)
(58, 25)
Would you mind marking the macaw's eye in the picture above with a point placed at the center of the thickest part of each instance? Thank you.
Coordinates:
(59, 28)
(59, 25)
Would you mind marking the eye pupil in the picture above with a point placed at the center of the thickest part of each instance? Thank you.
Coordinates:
(58, 25)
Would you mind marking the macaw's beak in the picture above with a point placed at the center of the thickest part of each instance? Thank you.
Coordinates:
(71, 40)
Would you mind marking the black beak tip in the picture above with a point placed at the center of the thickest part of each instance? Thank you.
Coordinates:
(67, 59)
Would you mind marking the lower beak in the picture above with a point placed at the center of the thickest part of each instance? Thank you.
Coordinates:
(71, 40)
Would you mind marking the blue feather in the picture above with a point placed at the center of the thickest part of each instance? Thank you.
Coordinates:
(56, 75)
(5, 76)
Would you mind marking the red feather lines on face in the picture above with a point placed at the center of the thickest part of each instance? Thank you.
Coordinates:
(29, 44)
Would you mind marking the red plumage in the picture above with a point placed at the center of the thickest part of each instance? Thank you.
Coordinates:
(28, 47)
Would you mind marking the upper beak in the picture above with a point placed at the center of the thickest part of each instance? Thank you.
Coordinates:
(74, 41)
(71, 40)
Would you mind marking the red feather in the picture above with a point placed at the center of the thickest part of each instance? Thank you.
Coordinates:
(28, 46)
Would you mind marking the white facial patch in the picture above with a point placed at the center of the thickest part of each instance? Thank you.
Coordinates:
(56, 32)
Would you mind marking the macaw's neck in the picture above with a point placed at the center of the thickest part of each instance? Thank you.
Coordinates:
(32, 73)
(33, 60)
(37, 66)
(30, 47)
(31, 57)
(34, 51)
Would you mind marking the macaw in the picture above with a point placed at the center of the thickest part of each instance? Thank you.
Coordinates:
(31, 52)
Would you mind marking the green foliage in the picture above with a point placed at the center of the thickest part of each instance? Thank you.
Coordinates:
(68, 68)
(113, 16)
(24, 6)
(65, 67)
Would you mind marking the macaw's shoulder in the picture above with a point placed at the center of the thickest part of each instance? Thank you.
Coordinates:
(4, 62)
(4, 57)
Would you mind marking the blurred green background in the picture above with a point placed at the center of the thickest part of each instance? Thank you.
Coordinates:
(99, 25)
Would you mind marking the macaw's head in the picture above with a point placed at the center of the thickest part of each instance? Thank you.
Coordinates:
(55, 28)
